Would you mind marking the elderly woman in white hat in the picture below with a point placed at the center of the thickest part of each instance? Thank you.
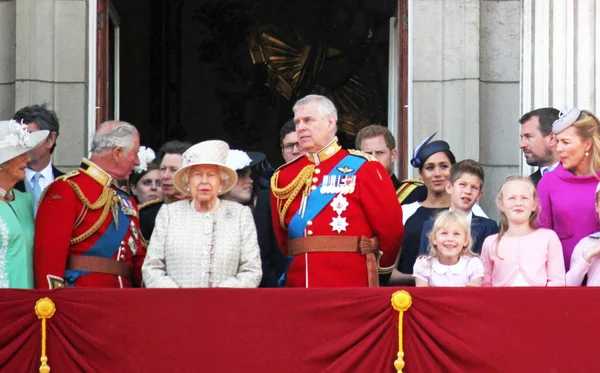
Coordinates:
(16, 208)
(205, 241)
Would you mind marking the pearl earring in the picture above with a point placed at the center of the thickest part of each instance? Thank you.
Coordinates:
(587, 153)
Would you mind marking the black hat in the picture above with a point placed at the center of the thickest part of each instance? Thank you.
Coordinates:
(426, 149)
(256, 158)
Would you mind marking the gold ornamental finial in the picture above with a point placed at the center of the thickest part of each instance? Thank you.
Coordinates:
(44, 309)
(401, 301)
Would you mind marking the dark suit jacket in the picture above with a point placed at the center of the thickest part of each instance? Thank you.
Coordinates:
(480, 229)
(21, 184)
(536, 176)
(273, 261)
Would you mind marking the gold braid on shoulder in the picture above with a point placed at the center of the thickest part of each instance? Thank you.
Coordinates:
(104, 198)
(291, 191)
(105, 201)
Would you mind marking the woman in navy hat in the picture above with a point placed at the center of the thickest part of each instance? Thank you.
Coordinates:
(434, 161)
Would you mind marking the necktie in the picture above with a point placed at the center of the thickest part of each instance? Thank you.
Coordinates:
(37, 190)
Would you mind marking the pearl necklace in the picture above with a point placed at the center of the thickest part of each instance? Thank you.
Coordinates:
(8, 196)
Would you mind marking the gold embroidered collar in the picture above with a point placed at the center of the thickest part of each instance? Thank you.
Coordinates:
(324, 154)
(95, 172)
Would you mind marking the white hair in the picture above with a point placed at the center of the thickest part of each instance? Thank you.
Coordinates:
(324, 105)
(112, 135)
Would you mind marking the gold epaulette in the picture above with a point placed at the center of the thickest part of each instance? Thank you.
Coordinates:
(407, 187)
(62, 178)
(68, 175)
(290, 162)
(149, 203)
(358, 153)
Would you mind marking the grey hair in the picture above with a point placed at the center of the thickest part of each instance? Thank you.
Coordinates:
(324, 105)
(112, 135)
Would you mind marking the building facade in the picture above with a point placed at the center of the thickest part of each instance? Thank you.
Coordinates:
(473, 67)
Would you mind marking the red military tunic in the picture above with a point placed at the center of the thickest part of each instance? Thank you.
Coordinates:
(372, 210)
(76, 221)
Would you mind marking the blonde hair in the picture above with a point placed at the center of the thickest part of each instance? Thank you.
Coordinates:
(587, 127)
(447, 219)
(503, 219)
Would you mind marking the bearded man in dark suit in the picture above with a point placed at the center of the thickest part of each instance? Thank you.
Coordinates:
(538, 143)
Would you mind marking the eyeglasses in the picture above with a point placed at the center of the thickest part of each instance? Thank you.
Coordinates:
(290, 146)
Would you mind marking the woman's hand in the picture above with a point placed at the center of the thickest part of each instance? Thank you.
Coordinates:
(592, 252)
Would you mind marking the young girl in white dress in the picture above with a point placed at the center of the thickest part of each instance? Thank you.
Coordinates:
(450, 261)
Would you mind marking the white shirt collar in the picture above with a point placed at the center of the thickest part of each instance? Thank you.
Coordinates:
(551, 167)
(455, 269)
(469, 216)
(46, 173)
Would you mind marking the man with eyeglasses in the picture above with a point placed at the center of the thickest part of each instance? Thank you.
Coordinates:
(273, 261)
(290, 147)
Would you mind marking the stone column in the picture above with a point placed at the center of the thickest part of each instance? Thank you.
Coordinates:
(499, 102)
(50, 67)
(561, 54)
(466, 82)
(7, 59)
(446, 73)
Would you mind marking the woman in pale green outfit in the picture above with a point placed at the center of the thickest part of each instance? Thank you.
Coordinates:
(16, 208)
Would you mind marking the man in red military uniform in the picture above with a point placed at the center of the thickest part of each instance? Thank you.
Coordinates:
(87, 230)
(334, 211)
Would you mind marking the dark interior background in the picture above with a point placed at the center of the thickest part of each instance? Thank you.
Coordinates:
(188, 72)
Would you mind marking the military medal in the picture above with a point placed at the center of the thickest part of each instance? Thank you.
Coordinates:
(127, 207)
(325, 187)
(132, 245)
(339, 204)
(114, 208)
(347, 184)
(134, 230)
(338, 224)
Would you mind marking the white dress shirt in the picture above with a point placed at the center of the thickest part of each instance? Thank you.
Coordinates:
(46, 178)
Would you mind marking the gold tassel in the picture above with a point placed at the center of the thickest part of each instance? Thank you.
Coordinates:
(44, 309)
(401, 301)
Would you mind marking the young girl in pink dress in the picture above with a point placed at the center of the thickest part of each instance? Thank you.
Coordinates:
(450, 261)
(520, 254)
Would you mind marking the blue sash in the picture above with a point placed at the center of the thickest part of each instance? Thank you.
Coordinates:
(317, 201)
(106, 246)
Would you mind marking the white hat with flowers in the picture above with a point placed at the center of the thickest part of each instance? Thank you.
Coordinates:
(145, 155)
(15, 139)
(211, 152)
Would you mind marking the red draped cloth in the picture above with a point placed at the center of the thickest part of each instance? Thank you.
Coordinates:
(299, 330)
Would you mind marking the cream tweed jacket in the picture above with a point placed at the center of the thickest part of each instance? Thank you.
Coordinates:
(191, 249)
